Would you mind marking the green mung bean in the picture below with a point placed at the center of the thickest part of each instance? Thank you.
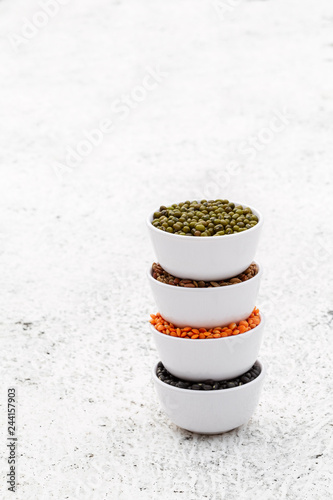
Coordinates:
(204, 218)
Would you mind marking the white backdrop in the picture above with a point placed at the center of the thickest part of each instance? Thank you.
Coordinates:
(109, 109)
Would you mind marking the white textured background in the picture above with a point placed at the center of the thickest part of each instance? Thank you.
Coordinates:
(74, 248)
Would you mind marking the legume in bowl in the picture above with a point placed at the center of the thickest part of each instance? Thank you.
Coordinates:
(204, 303)
(210, 411)
(223, 352)
(225, 248)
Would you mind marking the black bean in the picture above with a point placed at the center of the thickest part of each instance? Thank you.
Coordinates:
(182, 385)
(207, 385)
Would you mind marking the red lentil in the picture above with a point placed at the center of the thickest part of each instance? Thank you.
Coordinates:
(167, 328)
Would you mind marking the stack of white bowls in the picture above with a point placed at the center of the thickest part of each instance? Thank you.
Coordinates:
(208, 259)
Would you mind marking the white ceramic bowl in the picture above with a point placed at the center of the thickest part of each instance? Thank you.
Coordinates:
(207, 258)
(209, 412)
(203, 359)
(205, 307)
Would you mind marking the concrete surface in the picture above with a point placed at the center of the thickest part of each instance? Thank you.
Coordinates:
(208, 100)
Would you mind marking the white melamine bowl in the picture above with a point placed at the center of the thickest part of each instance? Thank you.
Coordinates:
(202, 359)
(208, 258)
(205, 307)
(209, 412)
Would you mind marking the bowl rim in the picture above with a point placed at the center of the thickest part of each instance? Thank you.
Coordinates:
(235, 235)
(208, 290)
(226, 339)
(238, 388)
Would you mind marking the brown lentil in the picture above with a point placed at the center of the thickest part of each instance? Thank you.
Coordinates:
(161, 275)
